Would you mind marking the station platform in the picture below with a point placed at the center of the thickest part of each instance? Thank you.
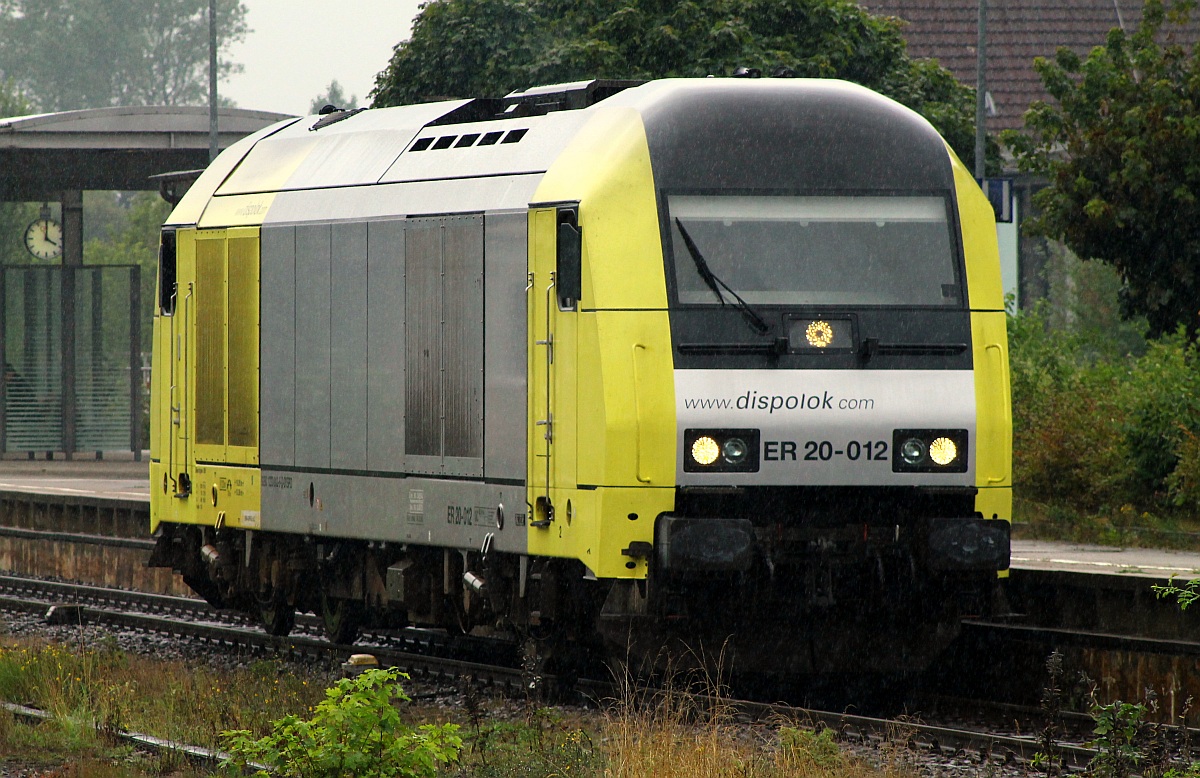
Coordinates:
(117, 476)
(1053, 556)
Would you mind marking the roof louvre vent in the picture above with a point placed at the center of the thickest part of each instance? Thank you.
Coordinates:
(469, 139)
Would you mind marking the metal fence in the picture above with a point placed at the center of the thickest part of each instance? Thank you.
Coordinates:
(70, 343)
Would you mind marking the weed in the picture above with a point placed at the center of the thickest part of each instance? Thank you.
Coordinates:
(355, 731)
(1048, 758)
(806, 749)
(1184, 595)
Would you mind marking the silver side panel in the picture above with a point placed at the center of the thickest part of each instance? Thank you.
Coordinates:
(348, 353)
(278, 358)
(506, 260)
(385, 346)
(423, 409)
(365, 203)
(462, 350)
(421, 511)
(380, 327)
(312, 345)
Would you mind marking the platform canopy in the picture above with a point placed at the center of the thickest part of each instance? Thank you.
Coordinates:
(82, 373)
(43, 155)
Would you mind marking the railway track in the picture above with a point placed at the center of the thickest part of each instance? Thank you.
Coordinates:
(426, 656)
(434, 656)
(190, 619)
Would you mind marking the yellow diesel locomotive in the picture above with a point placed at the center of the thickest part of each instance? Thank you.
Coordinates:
(713, 361)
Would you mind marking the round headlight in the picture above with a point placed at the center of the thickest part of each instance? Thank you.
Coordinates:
(912, 450)
(943, 451)
(734, 451)
(705, 450)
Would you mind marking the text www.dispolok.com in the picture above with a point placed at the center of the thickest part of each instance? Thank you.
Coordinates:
(753, 401)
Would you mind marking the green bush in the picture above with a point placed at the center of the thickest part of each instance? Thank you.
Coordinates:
(1100, 430)
(355, 731)
(1165, 411)
(1069, 417)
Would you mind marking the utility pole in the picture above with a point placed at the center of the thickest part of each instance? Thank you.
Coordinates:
(212, 80)
(981, 94)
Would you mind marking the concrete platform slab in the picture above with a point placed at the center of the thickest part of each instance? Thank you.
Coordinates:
(112, 478)
(1104, 560)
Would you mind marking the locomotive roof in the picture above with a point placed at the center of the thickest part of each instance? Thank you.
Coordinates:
(524, 133)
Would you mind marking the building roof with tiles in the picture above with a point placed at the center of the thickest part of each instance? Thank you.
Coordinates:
(1017, 31)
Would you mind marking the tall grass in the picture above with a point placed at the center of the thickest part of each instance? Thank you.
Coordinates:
(688, 730)
(100, 687)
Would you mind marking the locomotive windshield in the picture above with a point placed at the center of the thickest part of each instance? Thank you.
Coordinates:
(841, 250)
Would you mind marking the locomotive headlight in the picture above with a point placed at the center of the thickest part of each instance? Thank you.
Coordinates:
(929, 451)
(943, 451)
(913, 451)
(705, 450)
(734, 451)
(709, 450)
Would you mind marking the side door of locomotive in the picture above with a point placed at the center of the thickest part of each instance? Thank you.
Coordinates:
(553, 291)
(177, 307)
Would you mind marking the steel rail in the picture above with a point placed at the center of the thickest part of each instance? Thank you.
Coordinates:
(1077, 637)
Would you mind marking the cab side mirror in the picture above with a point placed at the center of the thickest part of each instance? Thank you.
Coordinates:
(569, 259)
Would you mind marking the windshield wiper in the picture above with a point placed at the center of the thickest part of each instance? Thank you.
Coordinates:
(715, 283)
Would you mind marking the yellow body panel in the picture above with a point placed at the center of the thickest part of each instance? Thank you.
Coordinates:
(606, 168)
(226, 274)
(984, 287)
(610, 386)
(993, 406)
(221, 496)
(204, 403)
(989, 338)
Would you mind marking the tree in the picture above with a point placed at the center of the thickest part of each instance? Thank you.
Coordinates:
(333, 95)
(129, 236)
(472, 48)
(14, 217)
(1119, 151)
(67, 54)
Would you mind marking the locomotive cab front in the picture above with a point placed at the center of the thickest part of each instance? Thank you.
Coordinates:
(835, 337)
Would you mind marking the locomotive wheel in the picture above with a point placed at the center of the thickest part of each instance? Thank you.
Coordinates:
(276, 614)
(342, 619)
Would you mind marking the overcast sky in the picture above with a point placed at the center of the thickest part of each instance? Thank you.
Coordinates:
(297, 47)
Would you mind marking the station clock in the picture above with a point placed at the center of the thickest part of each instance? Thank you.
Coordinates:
(43, 238)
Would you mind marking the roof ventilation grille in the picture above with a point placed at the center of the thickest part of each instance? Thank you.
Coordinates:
(435, 143)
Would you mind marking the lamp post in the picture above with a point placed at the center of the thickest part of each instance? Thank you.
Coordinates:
(212, 80)
(981, 94)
